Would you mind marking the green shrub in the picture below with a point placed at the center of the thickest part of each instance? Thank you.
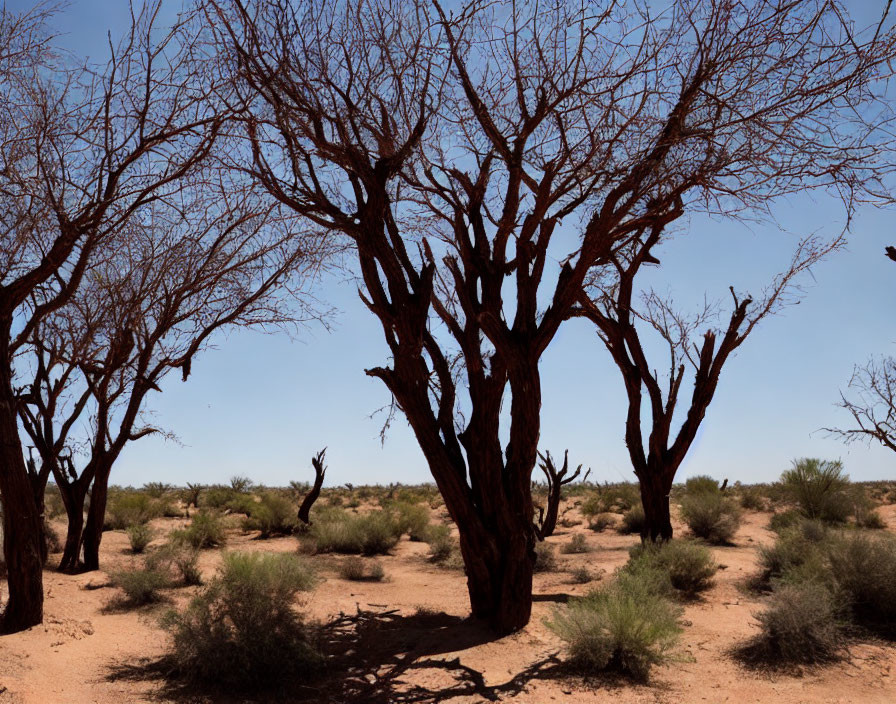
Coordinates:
(711, 516)
(217, 496)
(178, 561)
(545, 558)
(374, 533)
(689, 566)
(140, 586)
(799, 626)
(611, 498)
(441, 544)
(273, 515)
(798, 555)
(156, 490)
(633, 520)
(206, 530)
(819, 488)
(864, 570)
(412, 519)
(242, 630)
(701, 484)
(241, 484)
(601, 522)
(127, 508)
(140, 535)
(623, 627)
(783, 520)
(577, 544)
(751, 498)
(356, 569)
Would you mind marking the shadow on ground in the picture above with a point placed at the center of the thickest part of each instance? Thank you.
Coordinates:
(369, 656)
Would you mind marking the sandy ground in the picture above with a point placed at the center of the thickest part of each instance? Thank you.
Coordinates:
(407, 639)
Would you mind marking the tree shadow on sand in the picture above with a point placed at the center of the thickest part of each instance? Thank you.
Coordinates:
(368, 655)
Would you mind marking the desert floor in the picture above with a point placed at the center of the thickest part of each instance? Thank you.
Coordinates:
(407, 639)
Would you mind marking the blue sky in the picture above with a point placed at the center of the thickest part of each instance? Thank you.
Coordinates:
(261, 405)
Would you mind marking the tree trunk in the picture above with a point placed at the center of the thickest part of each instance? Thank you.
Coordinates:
(499, 576)
(22, 530)
(96, 516)
(73, 497)
(655, 499)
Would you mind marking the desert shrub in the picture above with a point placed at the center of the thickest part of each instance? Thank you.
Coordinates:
(140, 586)
(241, 484)
(242, 630)
(216, 496)
(688, 566)
(156, 490)
(206, 530)
(623, 627)
(51, 538)
(53, 505)
(799, 626)
(441, 544)
(783, 520)
(863, 568)
(701, 484)
(711, 515)
(751, 498)
(140, 535)
(179, 561)
(412, 519)
(633, 520)
(374, 533)
(819, 488)
(798, 555)
(580, 575)
(273, 515)
(127, 508)
(870, 519)
(577, 544)
(357, 569)
(545, 558)
(611, 498)
(601, 522)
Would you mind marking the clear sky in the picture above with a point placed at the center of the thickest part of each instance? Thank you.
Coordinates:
(261, 405)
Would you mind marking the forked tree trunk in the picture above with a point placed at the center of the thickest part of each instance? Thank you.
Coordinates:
(655, 500)
(22, 530)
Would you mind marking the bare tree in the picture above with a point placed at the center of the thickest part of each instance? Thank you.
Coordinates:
(872, 404)
(556, 479)
(483, 163)
(81, 150)
(162, 289)
(320, 471)
(694, 364)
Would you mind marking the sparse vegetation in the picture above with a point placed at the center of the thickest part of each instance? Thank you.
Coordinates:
(545, 557)
(243, 630)
(633, 520)
(274, 514)
(819, 488)
(623, 627)
(140, 535)
(140, 586)
(577, 544)
(357, 569)
(688, 566)
(374, 533)
(710, 515)
(206, 530)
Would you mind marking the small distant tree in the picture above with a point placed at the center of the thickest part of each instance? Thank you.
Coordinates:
(320, 471)
(696, 353)
(483, 163)
(556, 479)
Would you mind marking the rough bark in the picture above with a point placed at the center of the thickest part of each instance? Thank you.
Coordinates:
(96, 515)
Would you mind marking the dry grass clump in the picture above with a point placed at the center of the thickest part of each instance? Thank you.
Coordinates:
(545, 558)
(357, 569)
(374, 533)
(577, 544)
(206, 530)
(139, 586)
(140, 536)
(624, 627)
(273, 514)
(685, 566)
(242, 630)
(711, 515)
